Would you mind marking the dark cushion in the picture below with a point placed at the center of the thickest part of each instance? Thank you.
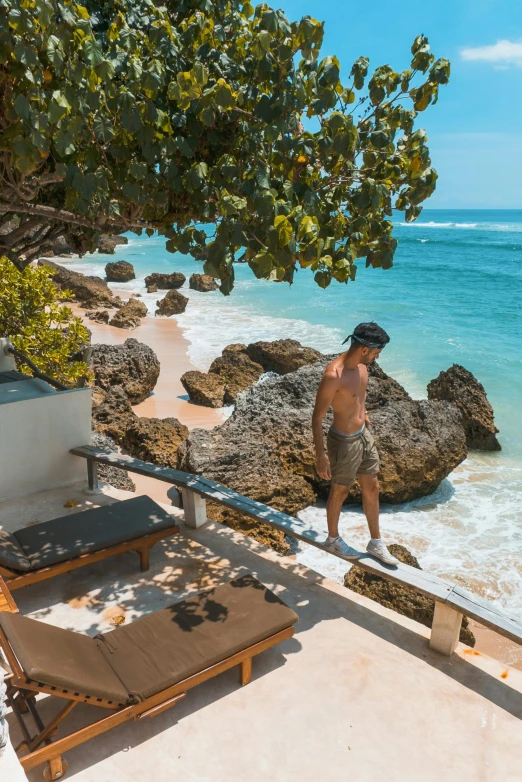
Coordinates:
(91, 530)
(163, 648)
(11, 555)
(61, 658)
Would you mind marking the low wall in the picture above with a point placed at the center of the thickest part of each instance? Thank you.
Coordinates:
(38, 427)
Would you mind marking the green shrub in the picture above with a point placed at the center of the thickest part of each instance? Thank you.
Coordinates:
(38, 324)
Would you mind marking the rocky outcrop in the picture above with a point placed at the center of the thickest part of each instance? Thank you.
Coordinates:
(152, 288)
(107, 473)
(165, 281)
(282, 355)
(107, 243)
(152, 439)
(236, 371)
(398, 597)
(98, 316)
(172, 304)
(204, 389)
(203, 283)
(382, 388)
(265, 448)
(129, 315)
(90, 292)
(112, 412)
(119, 271)
(133, 366)
(460, 387)
(155, 440)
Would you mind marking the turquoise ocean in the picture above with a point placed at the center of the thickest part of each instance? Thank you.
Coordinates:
(453, 296)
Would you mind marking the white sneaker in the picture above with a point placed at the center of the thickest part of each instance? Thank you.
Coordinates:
(339, 546)
(378, 550)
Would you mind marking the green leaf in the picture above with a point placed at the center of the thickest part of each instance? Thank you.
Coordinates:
(22, 106)
(103, 128)
(284, 230)
(93, 52)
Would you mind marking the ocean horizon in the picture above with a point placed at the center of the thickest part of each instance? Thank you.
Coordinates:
(452, 297)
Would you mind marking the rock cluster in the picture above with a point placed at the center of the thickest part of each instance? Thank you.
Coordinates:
(241, 365)
(129, 315)
(119, 271)
(203, 283)
(151, 439)
(90, 292)
(398, 597)
(107, 243)
(172, 304)
(460, 387)
(133, 366)
(98, 316)
(164, 281)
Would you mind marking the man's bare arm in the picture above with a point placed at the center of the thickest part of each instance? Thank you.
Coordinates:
(325, 394)
(364, 379)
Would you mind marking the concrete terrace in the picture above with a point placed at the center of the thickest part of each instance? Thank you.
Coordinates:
(355, 694)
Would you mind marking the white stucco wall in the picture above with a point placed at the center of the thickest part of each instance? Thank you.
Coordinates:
(38, 426)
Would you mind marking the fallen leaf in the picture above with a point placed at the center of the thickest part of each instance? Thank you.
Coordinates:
(117, 620)
(70, 504)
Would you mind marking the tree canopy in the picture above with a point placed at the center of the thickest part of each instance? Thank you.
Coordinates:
(121, 115)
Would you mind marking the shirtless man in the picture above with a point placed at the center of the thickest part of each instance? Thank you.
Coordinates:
(351, 448)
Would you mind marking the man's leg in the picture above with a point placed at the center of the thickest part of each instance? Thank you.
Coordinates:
(370, 494)
(337, 496)
(370, 498)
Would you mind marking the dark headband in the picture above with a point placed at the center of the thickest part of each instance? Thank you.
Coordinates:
(363, 341)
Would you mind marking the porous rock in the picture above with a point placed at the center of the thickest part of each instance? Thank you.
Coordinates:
(282, 355)
(165, 281)
(93, 292)
(98, 316)
(203, 283)
(204, 389)
(237, 372)
(134, 366)
(155, 440)
(172, 304)
(459, 386)
(119, 271)
(129, 315)
(398, 597)
(114, 476)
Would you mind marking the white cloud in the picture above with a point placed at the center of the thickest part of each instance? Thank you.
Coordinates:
(501, 53)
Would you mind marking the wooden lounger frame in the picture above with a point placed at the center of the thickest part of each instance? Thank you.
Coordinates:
(141, 545)
(22, 692)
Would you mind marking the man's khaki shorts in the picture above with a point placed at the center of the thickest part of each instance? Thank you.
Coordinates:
(351, 456)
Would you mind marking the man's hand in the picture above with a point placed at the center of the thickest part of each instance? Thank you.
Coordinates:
(322, 465)
(367, 421)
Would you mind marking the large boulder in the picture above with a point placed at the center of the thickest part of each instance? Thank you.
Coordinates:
(133, 366)
(203, 283)
(420, 443)
(399, 598)
(204, 389)
(119, 271)
(382, 388)
(165, 281)
(129, 315)
(236, 371)
(155, 440)
(282, 355)
(114, 476)
(459, 386)
(173, 303)
(92, 292)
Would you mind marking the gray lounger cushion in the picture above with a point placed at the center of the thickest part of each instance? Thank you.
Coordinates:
(11, 554)
(91, 530)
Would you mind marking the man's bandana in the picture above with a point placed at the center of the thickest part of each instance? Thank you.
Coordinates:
(363, 342)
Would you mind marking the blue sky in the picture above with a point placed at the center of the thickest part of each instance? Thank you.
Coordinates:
(475, 130)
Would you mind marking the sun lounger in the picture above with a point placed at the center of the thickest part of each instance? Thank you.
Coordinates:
(44, 550)
(137, 670)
